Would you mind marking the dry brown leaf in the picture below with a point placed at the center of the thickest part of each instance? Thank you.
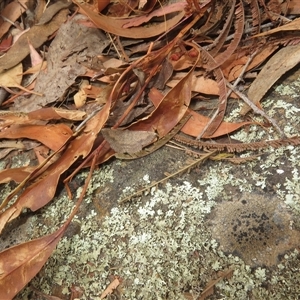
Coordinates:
(38, 117)
(170, 110)
(293, 7)
(172, 107)
(52, 136)
(197, 123)
(17, 174)
(281, 62)
(52, 10)
(37, 36)
(164, 75)
(12, 12)
(54, 113)
(46, 183)
(8, 118)
(113, 63)
(161, 12)
(12, 78)
(102, 4)
(65, 65)
(199, 84)
(19, 264)
(81, 96)
(5, 44)
(155, 96)
(115, 26)
(235, 64)
(111, 287)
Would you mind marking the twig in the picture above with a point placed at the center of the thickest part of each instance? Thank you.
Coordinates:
(199, 136)
(11, 22)
(114, 45)
(242, 72)
(82, 124)
(125, 56)
(255, 108)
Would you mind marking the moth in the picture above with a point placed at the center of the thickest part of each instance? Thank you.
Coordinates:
(128, 141)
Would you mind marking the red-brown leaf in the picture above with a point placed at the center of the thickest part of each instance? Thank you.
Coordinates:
(19, 264)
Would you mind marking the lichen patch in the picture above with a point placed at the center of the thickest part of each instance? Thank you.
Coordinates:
(256, 227)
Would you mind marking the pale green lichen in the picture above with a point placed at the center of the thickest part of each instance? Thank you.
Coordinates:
(286, 90)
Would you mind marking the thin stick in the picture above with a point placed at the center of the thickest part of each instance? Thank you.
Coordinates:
(114, 45)
(255, 108)
(242, 72)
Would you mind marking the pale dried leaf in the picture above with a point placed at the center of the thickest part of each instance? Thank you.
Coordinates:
(11, 77)
(81, 96)
(35, 57)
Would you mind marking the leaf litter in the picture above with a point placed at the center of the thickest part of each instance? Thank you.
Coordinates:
(122, 114)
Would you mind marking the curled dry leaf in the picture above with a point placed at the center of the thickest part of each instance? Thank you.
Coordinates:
(115, 26)
(102, 4)
(197, 122)
(81, 96)
(162, 11)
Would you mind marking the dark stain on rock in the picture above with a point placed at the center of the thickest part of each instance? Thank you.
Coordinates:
(257, 227)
